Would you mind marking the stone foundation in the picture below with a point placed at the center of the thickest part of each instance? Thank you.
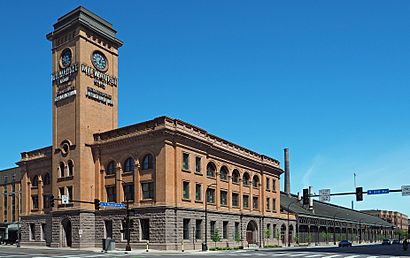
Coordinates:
(166, 228)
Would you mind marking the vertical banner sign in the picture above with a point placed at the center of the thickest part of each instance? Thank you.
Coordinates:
(405, 190)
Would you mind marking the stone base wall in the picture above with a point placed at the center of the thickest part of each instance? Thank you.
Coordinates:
(166, 228)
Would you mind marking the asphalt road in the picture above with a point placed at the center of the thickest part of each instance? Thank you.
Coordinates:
(368, 251)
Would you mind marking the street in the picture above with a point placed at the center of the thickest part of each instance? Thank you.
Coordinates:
(363, 251)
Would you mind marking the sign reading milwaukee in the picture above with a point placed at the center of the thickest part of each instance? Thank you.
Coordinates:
(98, 76)
(63, 76)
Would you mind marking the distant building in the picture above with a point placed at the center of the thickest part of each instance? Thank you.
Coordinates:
(9, 203)
(326, 222)
(398, 219)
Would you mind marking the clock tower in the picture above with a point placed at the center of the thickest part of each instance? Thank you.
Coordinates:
(85, 101)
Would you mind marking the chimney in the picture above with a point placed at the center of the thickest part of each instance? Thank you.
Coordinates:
(287, 172)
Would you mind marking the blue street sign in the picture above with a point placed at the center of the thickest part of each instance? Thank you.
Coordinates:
(378, 191)
(112, 204)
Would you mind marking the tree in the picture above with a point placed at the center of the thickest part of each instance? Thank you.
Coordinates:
(277, 234)
(268, 234)
(216, 237)
(237, 236)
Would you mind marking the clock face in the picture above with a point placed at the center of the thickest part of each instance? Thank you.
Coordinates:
(99, 61)
(65, 59)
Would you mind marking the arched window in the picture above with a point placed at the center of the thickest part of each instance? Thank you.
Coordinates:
(147, 162)
(35, 181)
(62, 168)
(245, 179)
(70, 165)
(47, 179)
(111, 167)
(255, 181)
(210, 169)
(235, 176)
(129, 165)
(224, 173)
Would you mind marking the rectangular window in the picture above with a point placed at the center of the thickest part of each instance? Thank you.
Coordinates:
(70, 193)
(35, 201)
(198, 164)
(236, 228)
(273, 185)
(212, 228)
(32, 232)
(147, 190)
(210, 195)
(61, 191)
(269, 229)
(245, 201)
(255, 202)
(235, 200)
(46, 201)
(186, 229)
(198, 232)
(124, 231)
(268, 204)
(198, 192)
(13, 207)
(274, 204)
(185, 161)
(128, 191)
(185, 190)
(267, 184)
(108, 228)
(5, 203)
(43, 232)
(111, 193)
(144, 223)
(225, 230)
(224, 198)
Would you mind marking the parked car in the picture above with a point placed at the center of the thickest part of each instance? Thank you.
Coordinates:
(346, 243)
(396, 242)
(387, 241)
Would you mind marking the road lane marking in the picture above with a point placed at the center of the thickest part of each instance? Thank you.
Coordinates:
(278, 254)
(331, 256)
(314, 255)
(372, 256)
(352, 256)
(295, 255)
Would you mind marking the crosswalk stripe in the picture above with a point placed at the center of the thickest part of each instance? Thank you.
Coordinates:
(278, 254)
(295, 255)
(314, 255)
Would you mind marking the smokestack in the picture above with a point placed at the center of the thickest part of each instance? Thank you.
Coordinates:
(287, 172)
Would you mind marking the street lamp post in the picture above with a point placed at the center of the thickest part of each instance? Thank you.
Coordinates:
(205, 245)
(127, 220)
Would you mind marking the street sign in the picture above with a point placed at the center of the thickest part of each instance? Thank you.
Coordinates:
(378, 191)
(112, 204)
(65, 199)
(405, 190)
(324, 195)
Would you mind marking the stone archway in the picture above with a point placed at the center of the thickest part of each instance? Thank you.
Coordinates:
(66, 233)
(283, 233)
(252, 232)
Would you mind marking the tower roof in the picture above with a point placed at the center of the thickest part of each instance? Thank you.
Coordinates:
(88, 19)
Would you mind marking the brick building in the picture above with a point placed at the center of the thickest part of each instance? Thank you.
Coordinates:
(399, 220)
(168, 170)
(10, 197)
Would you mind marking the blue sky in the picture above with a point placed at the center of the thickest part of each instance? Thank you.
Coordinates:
(327, 79)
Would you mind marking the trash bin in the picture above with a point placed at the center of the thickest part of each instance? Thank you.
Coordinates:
(109, 244)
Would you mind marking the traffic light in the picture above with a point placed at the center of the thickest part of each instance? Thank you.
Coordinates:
(51, 199)
(305, 196)
(97, 204)
(359, 194)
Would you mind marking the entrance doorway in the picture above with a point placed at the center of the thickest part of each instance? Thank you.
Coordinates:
(66, 233)
(252, 232)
